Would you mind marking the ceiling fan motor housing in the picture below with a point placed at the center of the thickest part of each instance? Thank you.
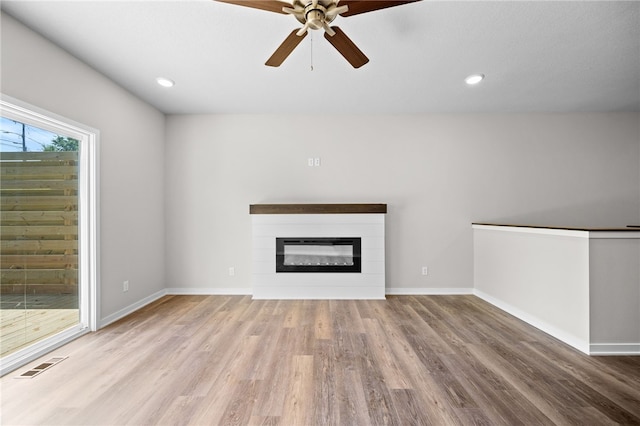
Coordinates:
(315, 16)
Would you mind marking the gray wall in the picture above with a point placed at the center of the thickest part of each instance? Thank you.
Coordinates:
(131, 157)
(437, 173)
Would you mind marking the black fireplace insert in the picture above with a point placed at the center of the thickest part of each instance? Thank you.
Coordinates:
(318, 255)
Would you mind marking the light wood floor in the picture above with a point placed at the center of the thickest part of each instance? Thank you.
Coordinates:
(409, 360)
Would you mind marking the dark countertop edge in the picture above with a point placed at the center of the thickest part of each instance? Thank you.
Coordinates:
(317, 208)
(629, 228)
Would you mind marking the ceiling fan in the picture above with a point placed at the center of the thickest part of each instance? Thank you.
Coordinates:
(315, 15)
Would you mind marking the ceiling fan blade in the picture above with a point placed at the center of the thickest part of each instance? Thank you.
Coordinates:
(362, 6)
(268, 5)
(347, 48)
(285, 49)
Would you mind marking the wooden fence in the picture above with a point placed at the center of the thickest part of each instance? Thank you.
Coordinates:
(38, 222)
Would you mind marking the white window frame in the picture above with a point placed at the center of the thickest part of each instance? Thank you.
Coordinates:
(88, 225)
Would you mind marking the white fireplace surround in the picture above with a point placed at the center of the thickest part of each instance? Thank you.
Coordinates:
(369, 284)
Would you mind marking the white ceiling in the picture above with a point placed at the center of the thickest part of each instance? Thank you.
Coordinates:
(557, 56)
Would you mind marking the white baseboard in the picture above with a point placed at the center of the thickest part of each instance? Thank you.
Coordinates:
(412, 291)
(598, 349)
(408, 291)
(209, 291)
(131, 308)
(561, 335)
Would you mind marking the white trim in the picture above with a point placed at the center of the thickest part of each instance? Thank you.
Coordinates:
(32, 352)
(598, 349)
(529, 230)
(89, 237)
(128, 310)
(426, 291)
(209, 291)
(21, 111)
(602, 235)
(247, 291)
(561, 335)
(631, 233)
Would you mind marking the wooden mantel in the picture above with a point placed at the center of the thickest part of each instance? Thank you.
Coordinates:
(317, 208)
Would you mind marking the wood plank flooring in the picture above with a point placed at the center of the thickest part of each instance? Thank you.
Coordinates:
(409, 360)
(22, 327)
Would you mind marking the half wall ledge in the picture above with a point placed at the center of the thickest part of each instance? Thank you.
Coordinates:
(317, 209)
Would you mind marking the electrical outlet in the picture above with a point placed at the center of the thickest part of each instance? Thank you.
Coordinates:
(310, 162)
(125, 286)
(232, 271)
(316, 161)
(425, 270)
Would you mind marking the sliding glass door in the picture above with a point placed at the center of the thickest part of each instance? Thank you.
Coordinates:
(45, 279)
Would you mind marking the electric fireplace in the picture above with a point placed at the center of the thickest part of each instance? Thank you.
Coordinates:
(318, 251)
(318, 255)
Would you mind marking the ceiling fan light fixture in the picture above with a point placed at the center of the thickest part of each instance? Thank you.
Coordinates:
(317, 15)
(474, 79)
(165, 82)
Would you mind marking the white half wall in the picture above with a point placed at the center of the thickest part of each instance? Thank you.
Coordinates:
(582, 287)
(539, 276)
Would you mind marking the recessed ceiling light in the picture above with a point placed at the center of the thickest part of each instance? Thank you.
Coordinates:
(474, 79)
(165, 82)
